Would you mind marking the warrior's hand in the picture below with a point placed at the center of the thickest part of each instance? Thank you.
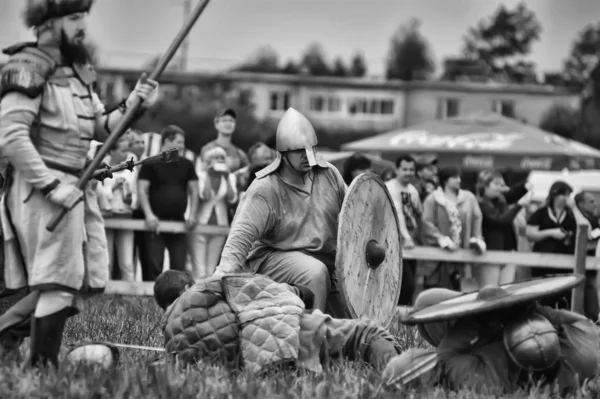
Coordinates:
(65, 195)
(146, 89)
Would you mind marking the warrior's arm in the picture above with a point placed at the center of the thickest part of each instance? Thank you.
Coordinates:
(252, 221)
(17, 114)
(108, 119)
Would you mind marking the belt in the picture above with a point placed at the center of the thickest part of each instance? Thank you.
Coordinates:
(65, 169)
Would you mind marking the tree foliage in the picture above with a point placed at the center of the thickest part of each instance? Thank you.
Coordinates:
(562, 120)
(264, 59)
(315, 60)
(584, 55)
(358, 65)
(339, 68)
(504, 40)
(409, 56)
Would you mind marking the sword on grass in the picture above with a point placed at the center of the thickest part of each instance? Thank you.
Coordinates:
(129, 115)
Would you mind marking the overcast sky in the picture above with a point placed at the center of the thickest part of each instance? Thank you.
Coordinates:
(130, 32)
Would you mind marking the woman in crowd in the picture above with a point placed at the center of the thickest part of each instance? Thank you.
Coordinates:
(217, 189)
(552, 230)
(354, 166)
(523, 243)
(499, 210)
(117, 198)
(260, 155)
(451, 220)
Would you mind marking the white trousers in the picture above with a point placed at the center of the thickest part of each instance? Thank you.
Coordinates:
(123, 242)
(205, 252)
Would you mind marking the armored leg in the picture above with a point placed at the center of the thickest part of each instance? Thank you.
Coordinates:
(51, 314)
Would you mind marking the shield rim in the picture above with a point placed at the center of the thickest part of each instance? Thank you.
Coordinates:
(340, 277)
(447, 314)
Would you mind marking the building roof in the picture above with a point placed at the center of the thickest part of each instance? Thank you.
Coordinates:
(358, 83)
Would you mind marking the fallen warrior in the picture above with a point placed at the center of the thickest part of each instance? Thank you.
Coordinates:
(253, 322)
(499, 339)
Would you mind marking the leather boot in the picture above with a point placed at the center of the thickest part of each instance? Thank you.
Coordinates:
(46, 336)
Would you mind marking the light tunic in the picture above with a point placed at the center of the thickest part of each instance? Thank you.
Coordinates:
(276, 216)
(75, 254)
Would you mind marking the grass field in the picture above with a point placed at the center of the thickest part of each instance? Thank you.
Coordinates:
(137, 320)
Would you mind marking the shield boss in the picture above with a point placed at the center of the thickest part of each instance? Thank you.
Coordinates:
(368, 263)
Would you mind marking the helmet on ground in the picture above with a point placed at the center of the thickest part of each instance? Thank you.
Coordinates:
(532, 342)
(100, 354)
(295, 132)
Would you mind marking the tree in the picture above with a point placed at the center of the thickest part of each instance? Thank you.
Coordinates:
(264, 59)
(290, 68)
(562, 120)
(358, 65)
(315, 60)
(503, 41)
(339, 69)
(409, 57)
(583, 57)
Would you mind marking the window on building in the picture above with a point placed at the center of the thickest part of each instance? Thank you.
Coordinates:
(317, 103)
(449, 107)
(334, 104)
(387, 107)
(280, 101)
(504, 107)
(374, 106)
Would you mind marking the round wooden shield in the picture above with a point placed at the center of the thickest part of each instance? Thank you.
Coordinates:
(369, 252)
(494, 298)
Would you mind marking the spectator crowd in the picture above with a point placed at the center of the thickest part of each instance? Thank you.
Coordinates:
(432, 207)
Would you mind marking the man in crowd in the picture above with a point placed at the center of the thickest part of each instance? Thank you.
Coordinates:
(426, 168)
(260, 155)
(225, 125)
(49, 114)
(163, 190)
(286, 227)
(408, 204)
(136, 143)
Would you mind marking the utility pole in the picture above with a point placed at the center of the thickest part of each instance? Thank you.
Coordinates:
(187, 10)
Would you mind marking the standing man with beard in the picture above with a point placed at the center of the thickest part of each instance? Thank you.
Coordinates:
(287, 224)
(49, 114)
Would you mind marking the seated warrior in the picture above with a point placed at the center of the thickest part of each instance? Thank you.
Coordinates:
(286, 226)
(499, 350)
(250, 320)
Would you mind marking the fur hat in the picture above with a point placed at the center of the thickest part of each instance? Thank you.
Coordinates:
(39, 11)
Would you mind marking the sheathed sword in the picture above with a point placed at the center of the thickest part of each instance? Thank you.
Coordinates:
(164, 157)
(129, 115)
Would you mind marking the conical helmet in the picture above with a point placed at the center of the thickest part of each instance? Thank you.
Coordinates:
(295, 132)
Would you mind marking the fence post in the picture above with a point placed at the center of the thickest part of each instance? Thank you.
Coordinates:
(581, 242)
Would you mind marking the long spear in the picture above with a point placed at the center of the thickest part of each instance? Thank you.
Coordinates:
(128, 117)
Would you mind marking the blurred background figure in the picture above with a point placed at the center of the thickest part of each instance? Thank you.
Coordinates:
(552, 230)
(451, 218)
(117, 197)
(388, 174)
(426, 179)
(499, 206)
(217, 190)
(408, 205)
(260, 155)
(354, 166)
(136, 143)
(163, 192)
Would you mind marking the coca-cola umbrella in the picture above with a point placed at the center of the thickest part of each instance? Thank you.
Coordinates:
(483, 140)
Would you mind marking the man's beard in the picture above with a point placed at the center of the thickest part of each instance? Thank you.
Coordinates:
(79, 53)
